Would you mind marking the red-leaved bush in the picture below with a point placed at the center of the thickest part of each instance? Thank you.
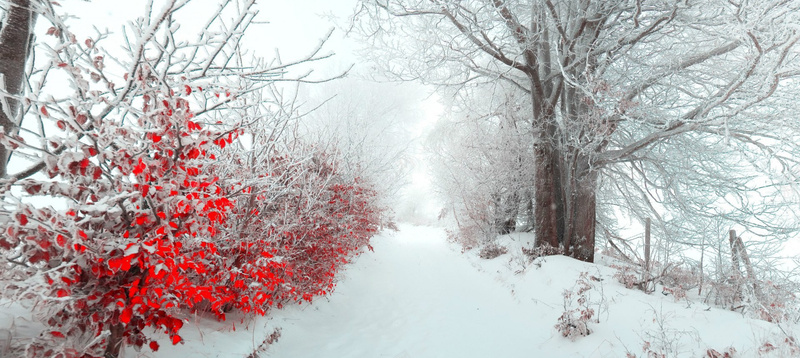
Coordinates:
(297, 221)
(151, 230)
(134, 245)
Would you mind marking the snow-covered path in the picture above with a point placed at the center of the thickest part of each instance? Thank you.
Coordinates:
(417, 296)
(414, 297)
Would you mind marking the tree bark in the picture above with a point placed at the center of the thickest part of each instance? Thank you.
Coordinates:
(548, 210)
(14, 49)
(114, 341)
(582, 224)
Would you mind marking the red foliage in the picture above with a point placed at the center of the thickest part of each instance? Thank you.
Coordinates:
(133, 248)
(290, 246)
(153, 231)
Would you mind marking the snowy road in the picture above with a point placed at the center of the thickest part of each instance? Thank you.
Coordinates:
(414, 297)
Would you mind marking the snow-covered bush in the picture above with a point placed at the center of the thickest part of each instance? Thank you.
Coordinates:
(492, 250)
(296, 221)
(133, 246)
(533, 253)
(152, 214)
(577, 315)
(268, 341)
(152, 230)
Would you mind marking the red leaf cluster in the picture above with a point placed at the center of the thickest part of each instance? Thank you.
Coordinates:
(154, 231)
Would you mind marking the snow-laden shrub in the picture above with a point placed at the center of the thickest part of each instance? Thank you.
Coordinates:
(295, 223)
(129, 250)
(151, 230)
(492, 250)
(574, 321)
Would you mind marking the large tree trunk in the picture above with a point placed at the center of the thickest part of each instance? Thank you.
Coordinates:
(581, 225)
(548, 202)
(14, 49)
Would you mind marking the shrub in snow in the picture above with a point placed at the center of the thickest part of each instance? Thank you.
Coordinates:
(133, 245)
(152, 230)
(783, 347)
(728, 353)
(296, 221)
(491, 251)
(540, 251)
(577, 315)
(159, 216)
(262, 348)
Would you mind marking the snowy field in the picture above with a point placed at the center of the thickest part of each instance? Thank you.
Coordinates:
(417, 295)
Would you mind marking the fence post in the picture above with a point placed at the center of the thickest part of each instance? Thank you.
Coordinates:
(647, 244)
(737, 273)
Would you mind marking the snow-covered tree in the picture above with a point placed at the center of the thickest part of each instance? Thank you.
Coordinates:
(676, 109)
(481, 158)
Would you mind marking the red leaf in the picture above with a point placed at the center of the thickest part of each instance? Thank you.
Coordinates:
(177, 325)
(114, 264)
(44, 111)
(89, 43)
(176, 339)
(138, 169)
(98, 173)
(57, 334)
(61, 240)
(154, 346)
(23, 220)
(188, 90)
(125, 316)
(34, 189)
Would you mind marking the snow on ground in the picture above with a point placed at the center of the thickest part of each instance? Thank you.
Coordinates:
(417, 295)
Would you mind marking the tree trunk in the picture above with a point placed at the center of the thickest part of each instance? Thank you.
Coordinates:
(528, 205)
(114, 341)
(510, 213)
(582, 224)
(548, 205)
(14, 49)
